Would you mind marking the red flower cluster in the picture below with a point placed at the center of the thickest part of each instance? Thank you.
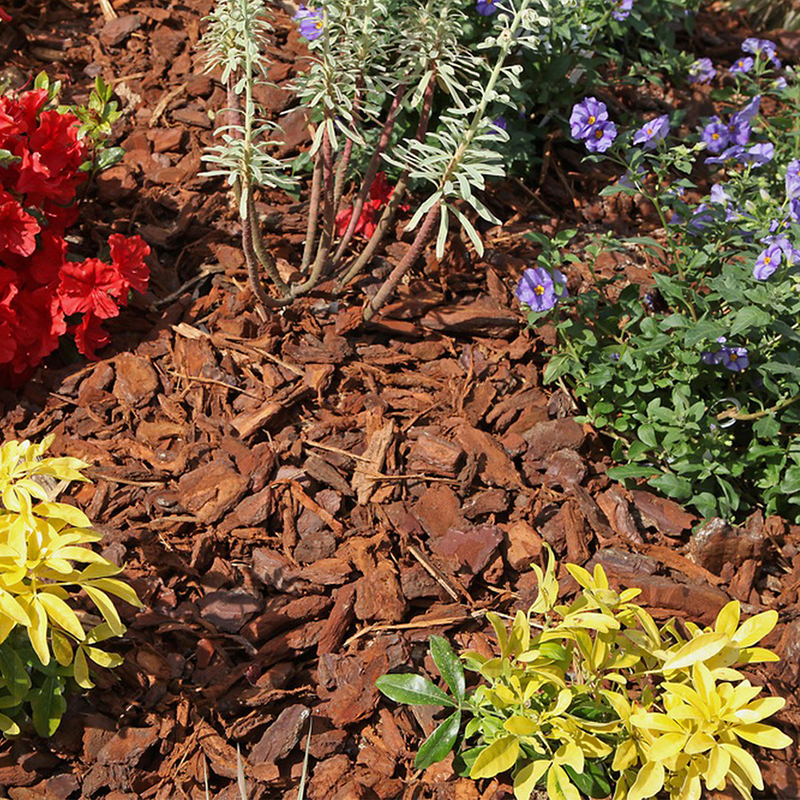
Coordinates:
(379, 194)
(40, 156)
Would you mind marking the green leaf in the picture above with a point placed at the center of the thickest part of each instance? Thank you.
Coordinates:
(48, 705)
(449, 665)
(630, 471)
(412, 689)
(791, 480)
(14, 673)
(749, 317)
(593, 781)
(439, 743)
(672, 485)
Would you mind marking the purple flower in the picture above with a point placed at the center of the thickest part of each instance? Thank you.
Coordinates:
(651, 133)
(500, 122)
(742, 65)
(793, 179)
(701, 71)
(739, 131)
(585, 116)
(703, 215)
(779, 84)
(311, 22)
(601, 137)
(749, 112)
(734, 358)
(622, 9)
(794, 209)
(537, 288)
(716, 135)
(629, 177)
(761, 47)
(758, 154)
(486, 7)
(719, 195)
(713, 356)
(767, 262)
(726, 155)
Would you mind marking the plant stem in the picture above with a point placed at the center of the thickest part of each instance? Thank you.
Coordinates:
(313, 213)
(397, 195)
(412, 254)
(327, 227)
(372, 170)
(732, 413)
(265, 259)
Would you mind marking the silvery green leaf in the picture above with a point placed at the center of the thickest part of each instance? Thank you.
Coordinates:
(470, 231)
(441, 239)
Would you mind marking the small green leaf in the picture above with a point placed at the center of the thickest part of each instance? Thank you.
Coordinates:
(412, 689)
(439, 743)
(14, 673)
(449, 665)
(48, 705)
(630, 471)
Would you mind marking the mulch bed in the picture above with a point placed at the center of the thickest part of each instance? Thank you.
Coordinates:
(301, 502)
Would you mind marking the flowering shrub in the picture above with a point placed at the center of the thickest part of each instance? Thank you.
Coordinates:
(599, 700)
(44, 295)
(697, 376)
(44, 647)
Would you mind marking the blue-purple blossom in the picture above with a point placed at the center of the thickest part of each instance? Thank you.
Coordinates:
(701, 71)
(767, 262)
(585, 116)
(486, 7)
(794, 209)
(713, 356)
(793, 179)
(761, 47)
(742, 65)
(651, 133)
(734, 358)
(749, 112)
(726, 155)
(537, 288)
(758, 154)
(719, 195)
(629, 177)
(701, 218)
(779, 84)
(311, 22)
(738, 131)
(622, 9)
(601, 137)
(716, 135)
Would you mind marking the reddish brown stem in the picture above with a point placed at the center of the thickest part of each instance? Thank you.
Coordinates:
(313, 212)
(372, 171)
(399, 190)
(409, 259)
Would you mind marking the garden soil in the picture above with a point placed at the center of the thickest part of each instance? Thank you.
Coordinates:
(300, 500)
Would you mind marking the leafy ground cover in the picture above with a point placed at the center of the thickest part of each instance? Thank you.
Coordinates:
(302, 503)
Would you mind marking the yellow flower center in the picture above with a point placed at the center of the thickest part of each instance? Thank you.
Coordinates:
(715, 136)
(733, 356)
(649, 131)
(539, 289)
(318, 24)
(767, 259)
(592, 119)
(598, 134)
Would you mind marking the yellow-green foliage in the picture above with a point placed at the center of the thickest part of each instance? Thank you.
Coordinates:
(43, 562)
(596, 694)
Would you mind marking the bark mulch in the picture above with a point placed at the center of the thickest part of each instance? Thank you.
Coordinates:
(300, 502)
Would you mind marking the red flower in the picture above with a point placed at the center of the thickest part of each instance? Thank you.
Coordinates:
(4, 16)
(128, 257)
(17, 228)
(91, 286)
(379, 194)
(39, 323)
(90, 336)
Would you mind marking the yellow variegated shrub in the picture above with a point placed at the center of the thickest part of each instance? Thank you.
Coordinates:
(44, 562)
(595, 699)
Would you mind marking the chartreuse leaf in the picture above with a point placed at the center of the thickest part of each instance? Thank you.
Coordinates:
(449, 665)
(527, 777)
(412, 689)
(8, 727)
(48, 705)
(756, 628)
(762, 735)
(439, 743)
(559, 786)
(701, 648)
(649, 781)
(498, 757)
(81, 670)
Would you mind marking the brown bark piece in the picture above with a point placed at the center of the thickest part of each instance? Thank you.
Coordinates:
(378, 444)
(341, 618)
